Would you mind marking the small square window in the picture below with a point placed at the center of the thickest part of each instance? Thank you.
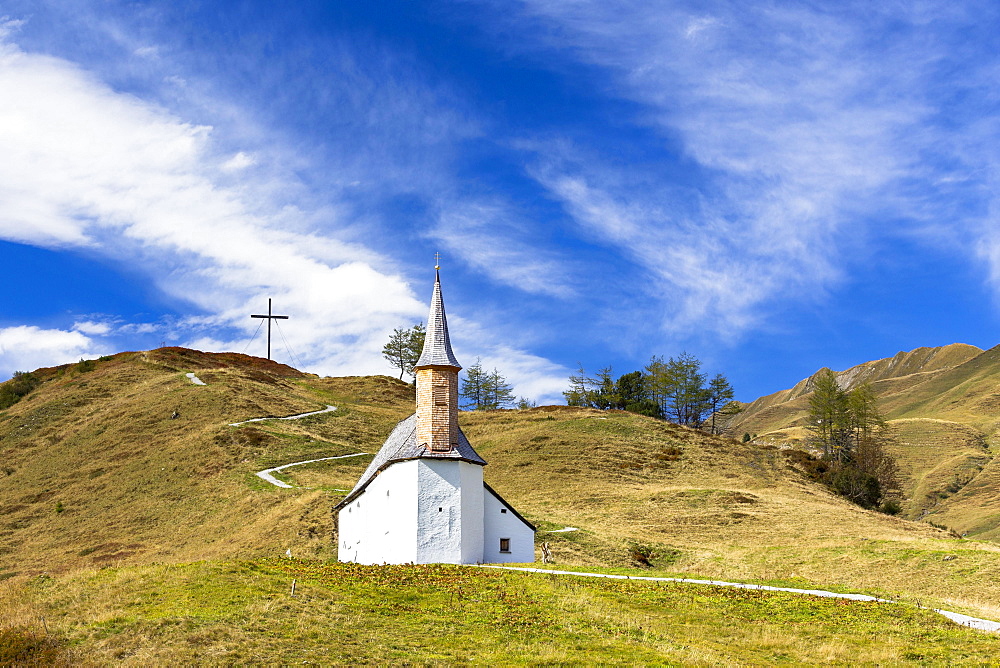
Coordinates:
(503, 511)
(505, 545)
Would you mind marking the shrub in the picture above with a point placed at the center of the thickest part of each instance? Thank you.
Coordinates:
(858, 486)
(16, 388)
(646, 407)
(642, 554)
(891, 507)
(21, 646)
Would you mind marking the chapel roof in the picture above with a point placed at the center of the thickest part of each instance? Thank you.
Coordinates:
(437, 344)
(401, 446)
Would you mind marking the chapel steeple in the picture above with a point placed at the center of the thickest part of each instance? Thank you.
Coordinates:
(437, 381)
(437, 344)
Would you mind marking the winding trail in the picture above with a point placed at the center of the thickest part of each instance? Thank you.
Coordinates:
(958, 618)
(328, 409)
(266, 473)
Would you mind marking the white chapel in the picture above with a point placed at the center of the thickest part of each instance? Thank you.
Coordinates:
(422, 499)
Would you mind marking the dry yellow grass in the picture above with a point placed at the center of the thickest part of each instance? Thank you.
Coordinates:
(96, 472)
(719, 508)
(240, 613)
(944, 403)
(100, 475)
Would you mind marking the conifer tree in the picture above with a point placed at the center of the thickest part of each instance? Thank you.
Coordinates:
(499, 393)
(854, 436)
(474, 387)
(829, 416)
(684, 383)
(656, 372)
(580, 389)
(719, 393)
(603, 396)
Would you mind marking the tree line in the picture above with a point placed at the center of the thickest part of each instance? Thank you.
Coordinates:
(675, 389)
(853, 435)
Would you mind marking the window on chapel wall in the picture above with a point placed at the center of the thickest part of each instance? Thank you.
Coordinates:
(505, 544)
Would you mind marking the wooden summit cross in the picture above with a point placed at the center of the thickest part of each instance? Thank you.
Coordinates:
(269, 319)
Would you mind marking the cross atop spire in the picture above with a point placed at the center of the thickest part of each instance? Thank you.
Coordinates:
(437, 344)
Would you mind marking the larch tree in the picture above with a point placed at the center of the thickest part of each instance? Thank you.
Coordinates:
(720, 392)
(474, 386)
(499, 393)
(829, 416)
(687, 398)
(580, 389)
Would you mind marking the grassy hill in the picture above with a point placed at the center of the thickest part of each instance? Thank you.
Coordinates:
(132, 515)
(96, 472)
(944, 404)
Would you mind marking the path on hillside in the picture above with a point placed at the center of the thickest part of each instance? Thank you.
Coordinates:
(964, 620)
(328, 409)
(266, 473)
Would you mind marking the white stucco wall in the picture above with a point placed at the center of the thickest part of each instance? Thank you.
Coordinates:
(449, 512)
(380, 526)
(431, 511)
(498, 524)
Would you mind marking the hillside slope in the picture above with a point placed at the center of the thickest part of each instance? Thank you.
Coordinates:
(944, 404)
(96, 473)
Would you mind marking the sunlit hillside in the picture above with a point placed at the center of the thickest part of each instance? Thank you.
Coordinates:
(97, 472)
(944, 404)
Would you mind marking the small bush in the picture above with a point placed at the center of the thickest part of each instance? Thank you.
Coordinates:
(86, 365)
(891, 507)
(642, 554)
(858, 486)
(21, 646)
(19, 386)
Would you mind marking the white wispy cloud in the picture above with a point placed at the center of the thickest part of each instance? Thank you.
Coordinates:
(498, 243)
(88, 167)
(26, 348)
(805, 133)
(92, 328)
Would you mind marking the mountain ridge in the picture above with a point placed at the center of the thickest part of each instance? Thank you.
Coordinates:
(944, 406)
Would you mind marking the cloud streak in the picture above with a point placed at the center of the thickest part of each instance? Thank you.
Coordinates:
(806, 131)
(91, 168)
(26, 348)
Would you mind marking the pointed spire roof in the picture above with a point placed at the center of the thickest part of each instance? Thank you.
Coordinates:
(437, 344)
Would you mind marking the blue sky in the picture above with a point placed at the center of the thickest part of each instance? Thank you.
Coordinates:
(773, 187)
